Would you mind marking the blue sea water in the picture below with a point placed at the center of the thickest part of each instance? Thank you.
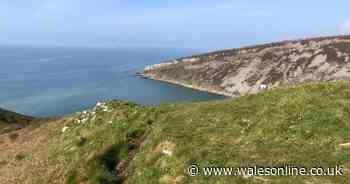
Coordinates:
(58, 81)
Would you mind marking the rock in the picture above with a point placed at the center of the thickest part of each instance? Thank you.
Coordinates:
(344, 145)
(167, 152)
(64, 129)
(98, 104)
(263, 87)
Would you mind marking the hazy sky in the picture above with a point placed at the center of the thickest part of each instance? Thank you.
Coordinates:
(208, 24)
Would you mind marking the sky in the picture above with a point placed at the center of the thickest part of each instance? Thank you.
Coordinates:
(199, 24)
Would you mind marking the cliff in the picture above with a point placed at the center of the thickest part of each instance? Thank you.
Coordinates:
(250, 69)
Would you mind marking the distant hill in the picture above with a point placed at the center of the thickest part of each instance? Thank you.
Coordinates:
(245, 70)
(10, 121)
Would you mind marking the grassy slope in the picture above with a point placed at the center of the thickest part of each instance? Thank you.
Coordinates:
(302, 126)
(10, 121)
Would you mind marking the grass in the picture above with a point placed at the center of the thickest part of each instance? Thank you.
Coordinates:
(303, 126)
(10, 121)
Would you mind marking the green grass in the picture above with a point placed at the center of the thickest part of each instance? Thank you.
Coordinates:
(301, 126)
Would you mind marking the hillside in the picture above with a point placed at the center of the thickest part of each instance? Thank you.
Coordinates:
(246, 70)
(10, 121)
(119, 142)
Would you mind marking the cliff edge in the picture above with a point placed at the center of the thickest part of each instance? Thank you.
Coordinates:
(250, 69)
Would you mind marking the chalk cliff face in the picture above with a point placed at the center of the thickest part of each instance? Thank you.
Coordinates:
(246, 70)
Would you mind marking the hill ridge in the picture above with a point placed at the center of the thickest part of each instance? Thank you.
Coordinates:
(10, 121)
(245, 70)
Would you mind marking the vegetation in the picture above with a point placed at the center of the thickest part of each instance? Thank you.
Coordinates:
(120, 142)
(10, 121)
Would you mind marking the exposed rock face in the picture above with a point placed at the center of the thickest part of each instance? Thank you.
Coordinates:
(241, 71)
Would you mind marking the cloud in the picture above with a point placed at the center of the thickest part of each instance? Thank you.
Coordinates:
(345, 28)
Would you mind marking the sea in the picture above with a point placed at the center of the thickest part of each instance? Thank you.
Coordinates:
(58, 81)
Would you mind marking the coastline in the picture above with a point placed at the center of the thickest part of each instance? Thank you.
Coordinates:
(149, 77)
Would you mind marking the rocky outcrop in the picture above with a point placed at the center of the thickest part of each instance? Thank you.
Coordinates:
(251, 69)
